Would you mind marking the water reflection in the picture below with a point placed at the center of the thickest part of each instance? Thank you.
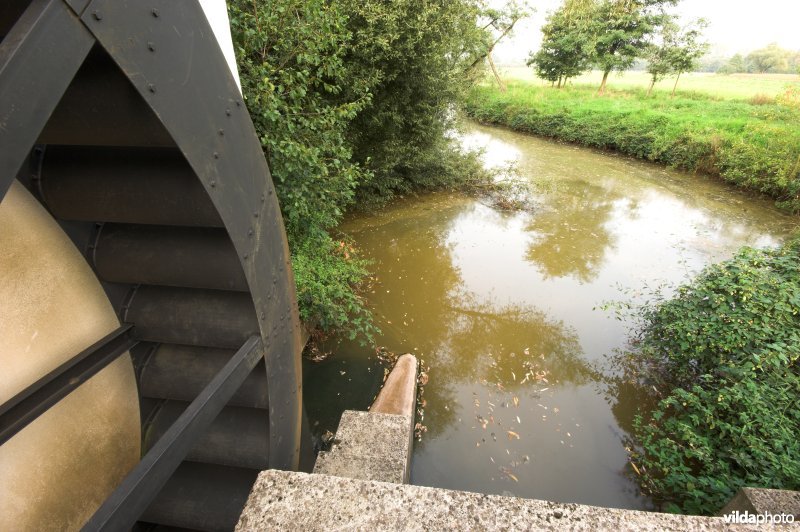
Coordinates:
(573, 239)
(501, 307)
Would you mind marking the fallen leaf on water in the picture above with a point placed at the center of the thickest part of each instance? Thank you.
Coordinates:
(518, 420)
(512, 435)
(635, 468)
(512, 477)
(514, 376)
(516, 400)
(556, 410)
(544, 389)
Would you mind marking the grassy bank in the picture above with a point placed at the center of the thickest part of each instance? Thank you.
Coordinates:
(752, 144)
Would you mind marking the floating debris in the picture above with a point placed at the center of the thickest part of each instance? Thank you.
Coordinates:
(512, 435)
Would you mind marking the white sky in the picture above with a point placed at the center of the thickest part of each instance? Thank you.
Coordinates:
(734, 25)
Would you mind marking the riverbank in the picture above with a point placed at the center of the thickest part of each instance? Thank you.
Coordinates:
(753, 145)
(503, 308)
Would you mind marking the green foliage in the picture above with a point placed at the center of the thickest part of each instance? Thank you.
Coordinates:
(329, 277)
(289, 54)
(754, 147)
(677, 50)
(723, 355)
(353, 97)
(773, 58)
(290, 57)
(622, 30)
(418, 56)
(567, 42)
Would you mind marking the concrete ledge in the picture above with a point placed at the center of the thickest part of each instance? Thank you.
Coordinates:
(399, 392)
(283, 500)
(369, 446)
(762, 501)
(376, 445)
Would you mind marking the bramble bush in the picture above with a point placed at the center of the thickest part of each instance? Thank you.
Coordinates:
(723, 356)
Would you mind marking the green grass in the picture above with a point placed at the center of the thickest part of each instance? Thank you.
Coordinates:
(756, 147)
(727, 87)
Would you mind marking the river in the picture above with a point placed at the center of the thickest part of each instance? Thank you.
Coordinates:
(510, 312)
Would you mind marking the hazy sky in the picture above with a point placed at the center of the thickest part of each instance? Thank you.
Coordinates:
(734, 25)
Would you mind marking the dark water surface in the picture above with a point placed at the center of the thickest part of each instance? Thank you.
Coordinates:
(503, 308)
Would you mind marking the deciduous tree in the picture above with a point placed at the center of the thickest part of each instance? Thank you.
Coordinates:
(675, 50)
(687, 48)
(772, 58)
(622, 29)
(567, 42)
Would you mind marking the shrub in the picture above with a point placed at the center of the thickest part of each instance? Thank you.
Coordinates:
(330, 276)
(723, 356)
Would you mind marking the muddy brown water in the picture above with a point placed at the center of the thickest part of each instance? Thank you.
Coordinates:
(507, 309)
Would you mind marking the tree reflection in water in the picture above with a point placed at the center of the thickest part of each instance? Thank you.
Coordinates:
(573, 239)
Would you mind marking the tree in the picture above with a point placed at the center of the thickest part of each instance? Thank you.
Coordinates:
(290, 55)
(773, 58)
(420, 55)
(659, 54)
(622, 28)
(735, 64)
(353, 99)
(567, 42)
(497, 25)
(687, 49)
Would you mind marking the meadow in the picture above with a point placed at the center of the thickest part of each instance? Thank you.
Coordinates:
(752, 142)
(718, 86)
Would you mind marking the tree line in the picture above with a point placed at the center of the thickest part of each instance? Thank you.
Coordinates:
(611, 35)
(772, 58)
